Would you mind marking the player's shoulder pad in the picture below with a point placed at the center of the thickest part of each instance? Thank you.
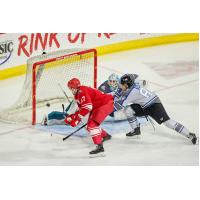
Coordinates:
(83, 88)
(136, 86)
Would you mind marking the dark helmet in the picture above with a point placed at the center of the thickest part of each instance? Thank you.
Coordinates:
(127, 79)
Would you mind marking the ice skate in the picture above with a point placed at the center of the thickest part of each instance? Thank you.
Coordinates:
(44, 121)
(135, 134)
(193, 138)
(98, 152)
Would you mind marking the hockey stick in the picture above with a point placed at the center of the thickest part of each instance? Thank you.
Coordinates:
(63, 107)
(64, 92)
(70, 102)
(74, 132)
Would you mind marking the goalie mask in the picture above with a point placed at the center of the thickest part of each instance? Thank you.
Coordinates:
(113, 81)
(74, 85)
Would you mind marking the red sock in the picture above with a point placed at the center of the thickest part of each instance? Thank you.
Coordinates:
(103, 133)
(97, 139)
(95, 131)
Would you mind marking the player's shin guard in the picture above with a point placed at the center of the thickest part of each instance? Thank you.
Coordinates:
(95, 132)
(97, 139)
(133, 122)
(179, 128)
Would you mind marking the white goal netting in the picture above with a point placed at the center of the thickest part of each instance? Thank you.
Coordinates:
(51, 69)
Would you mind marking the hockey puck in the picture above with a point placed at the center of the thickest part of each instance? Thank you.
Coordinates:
(48, 104)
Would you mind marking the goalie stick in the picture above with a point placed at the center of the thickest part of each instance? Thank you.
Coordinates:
(74, 132)
(70, 102)
(64, 92)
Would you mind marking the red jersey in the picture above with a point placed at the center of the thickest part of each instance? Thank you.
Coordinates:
(89, 99)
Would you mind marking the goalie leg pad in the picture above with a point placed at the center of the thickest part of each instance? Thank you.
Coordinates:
(57, 115)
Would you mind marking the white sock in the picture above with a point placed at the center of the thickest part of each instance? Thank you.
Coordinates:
(179, 128)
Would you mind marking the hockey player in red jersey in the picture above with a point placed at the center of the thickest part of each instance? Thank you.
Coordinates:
(97, 106)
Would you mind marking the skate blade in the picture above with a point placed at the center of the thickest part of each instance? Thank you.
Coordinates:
(102, 154)
(197, 142)
(134, 137)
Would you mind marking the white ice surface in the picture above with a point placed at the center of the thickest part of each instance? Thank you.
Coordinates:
(26, 145)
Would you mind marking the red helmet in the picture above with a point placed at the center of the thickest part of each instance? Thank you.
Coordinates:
(74, 83)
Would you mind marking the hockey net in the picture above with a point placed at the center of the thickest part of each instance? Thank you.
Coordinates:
(44, 75)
